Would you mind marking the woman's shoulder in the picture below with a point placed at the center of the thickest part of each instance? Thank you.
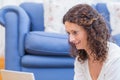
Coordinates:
(113, 51)
(112, 47)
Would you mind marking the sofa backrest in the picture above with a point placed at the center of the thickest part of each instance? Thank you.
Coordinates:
(35, 12)
(103, 10)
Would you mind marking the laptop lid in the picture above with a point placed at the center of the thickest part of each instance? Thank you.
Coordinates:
(16, 75)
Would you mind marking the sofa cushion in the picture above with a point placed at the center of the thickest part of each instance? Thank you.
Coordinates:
(31, 61)
(43, 43)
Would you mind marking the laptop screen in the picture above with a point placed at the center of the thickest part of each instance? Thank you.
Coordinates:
(16, 75)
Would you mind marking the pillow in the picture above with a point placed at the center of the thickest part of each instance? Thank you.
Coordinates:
(54, 11)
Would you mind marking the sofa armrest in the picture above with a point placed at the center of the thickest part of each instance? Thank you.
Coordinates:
(17, 24)
(23, 26)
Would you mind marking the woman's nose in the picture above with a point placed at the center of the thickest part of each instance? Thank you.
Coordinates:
(71, 38)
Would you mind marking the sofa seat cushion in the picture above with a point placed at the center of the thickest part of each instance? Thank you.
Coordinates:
(43, 43)
(31, 61)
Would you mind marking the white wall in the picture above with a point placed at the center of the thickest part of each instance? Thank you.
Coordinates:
(2, 40)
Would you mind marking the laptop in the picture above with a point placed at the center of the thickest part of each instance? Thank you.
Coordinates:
(16, 75)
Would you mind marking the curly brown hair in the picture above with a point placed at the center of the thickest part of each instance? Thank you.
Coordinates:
(94, 24)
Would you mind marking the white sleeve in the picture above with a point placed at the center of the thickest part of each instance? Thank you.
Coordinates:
(79, 75)
(113, 70)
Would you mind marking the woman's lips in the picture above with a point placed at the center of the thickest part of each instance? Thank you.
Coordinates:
(76, 44)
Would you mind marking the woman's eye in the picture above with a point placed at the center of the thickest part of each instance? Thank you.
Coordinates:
(74, 32)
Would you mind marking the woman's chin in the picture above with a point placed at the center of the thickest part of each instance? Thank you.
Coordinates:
(78, 47)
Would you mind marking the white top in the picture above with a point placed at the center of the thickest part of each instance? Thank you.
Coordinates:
(109, 71)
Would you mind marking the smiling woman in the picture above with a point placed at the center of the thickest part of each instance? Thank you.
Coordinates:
(77, 35)
(96, 57)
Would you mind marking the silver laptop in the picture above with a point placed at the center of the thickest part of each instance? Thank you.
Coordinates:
(16, 75)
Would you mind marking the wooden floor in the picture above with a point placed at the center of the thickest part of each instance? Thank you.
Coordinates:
(2, 65)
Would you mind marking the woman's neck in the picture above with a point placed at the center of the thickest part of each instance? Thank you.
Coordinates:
(89, 53)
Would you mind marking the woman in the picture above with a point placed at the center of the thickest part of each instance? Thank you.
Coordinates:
(96, 57)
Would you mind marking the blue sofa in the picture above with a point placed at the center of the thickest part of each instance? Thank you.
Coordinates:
(29, 48)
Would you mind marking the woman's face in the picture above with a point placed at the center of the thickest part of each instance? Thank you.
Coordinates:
(77, 35)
